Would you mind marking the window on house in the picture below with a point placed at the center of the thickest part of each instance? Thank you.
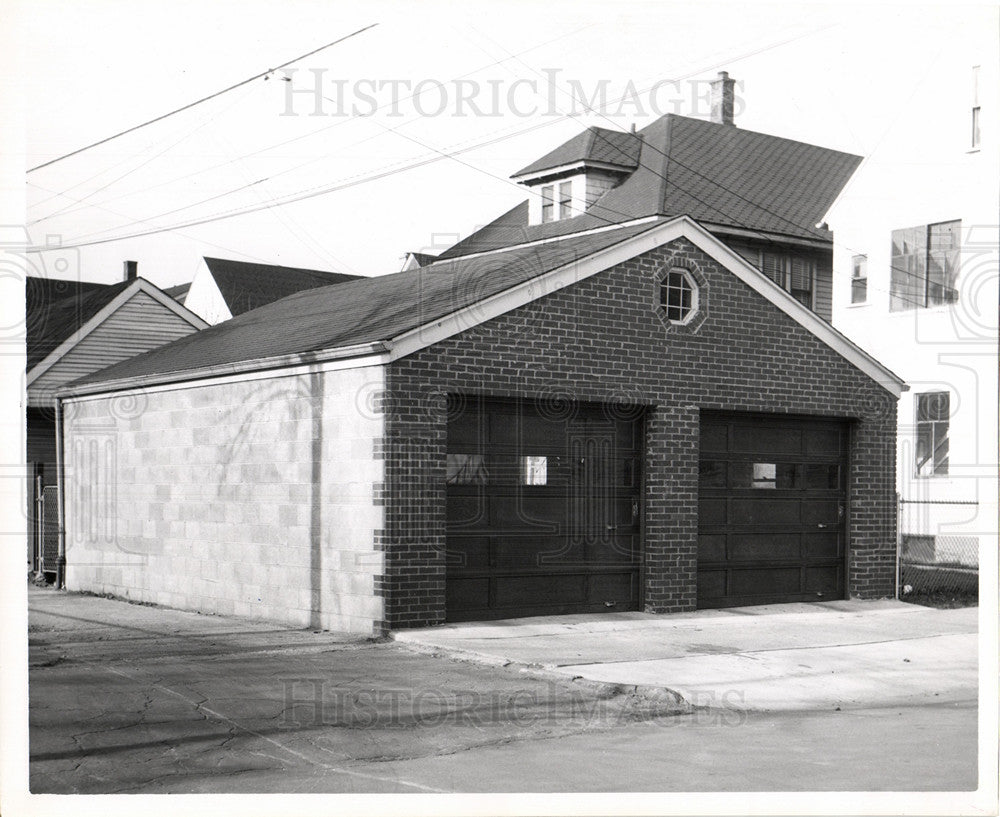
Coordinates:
(774, 268)
(800, 281)
(678, 296)
(933, 412)
(565, 199)
(466, 469)
(975, 107)
(859, 279)
(548, 204)
(924, 266)
(534, 470)
(792, 273)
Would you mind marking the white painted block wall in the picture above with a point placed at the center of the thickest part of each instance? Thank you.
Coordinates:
(248, 498)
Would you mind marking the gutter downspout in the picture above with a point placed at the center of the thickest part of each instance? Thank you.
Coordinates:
(60, 502)
(899, 540)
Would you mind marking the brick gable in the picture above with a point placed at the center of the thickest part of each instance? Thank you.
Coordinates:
(604, 339)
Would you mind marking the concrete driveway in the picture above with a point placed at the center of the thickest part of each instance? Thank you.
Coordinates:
(846, 654)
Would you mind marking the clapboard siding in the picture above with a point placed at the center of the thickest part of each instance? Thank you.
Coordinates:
(823, 290)
(138, 325)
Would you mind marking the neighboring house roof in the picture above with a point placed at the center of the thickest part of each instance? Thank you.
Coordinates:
(55, 327)
(404, 312)
(595, 145)
(716, 174)
(56, 309)
(412, 260)
(179, 292)
(245, 285)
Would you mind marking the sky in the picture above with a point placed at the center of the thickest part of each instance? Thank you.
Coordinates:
(493, 84)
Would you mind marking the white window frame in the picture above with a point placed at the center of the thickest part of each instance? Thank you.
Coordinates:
(859, 275)
(665, 289)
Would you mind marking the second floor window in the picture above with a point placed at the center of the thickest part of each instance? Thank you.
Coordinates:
(791, 273)
(859, 279)
(924, 266)
(557, 201)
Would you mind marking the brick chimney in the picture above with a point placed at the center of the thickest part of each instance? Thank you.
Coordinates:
(131, 270)
(723, 95)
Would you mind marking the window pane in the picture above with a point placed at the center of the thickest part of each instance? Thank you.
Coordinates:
(764, 475)
(534, 470)
(909, 269)
(677, 296)
(565, 200)
(942, 262)
(547, 204)
(822, 476)
(931, 455)
(774, 268)
(859, 290)
(466, 469)
(712, 474)
(933, 406)
(789, 476)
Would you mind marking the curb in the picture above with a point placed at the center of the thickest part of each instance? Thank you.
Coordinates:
(674, 702)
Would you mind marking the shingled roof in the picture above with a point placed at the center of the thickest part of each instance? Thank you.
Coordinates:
(246, 285)
(594, 146)
(717, 174)
(366, 310)
(55, 309)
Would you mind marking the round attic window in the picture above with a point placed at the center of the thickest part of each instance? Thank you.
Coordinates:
(679, 296)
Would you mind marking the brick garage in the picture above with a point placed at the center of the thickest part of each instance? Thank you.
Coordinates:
(294, 465)
(604, 340)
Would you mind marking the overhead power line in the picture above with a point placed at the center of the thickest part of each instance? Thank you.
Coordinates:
(203, 99)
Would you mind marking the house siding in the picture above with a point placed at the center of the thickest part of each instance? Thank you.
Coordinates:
(252, 498)
(604, 340)
(140, 324)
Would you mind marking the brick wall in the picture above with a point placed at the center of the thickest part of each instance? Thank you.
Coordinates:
(605, 339)
(253, 498)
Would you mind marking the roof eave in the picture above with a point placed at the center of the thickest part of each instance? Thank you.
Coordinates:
(378, 350)
(571, 168)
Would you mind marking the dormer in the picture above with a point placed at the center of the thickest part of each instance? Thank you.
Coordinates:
(567, 181)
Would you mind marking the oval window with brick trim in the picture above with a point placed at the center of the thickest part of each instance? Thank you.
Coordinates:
(678, 296)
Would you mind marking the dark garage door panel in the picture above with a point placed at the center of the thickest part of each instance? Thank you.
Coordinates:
(564, 538)
(772, 510)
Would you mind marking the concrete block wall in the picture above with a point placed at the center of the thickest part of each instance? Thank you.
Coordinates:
(250, 498)
(605, 340)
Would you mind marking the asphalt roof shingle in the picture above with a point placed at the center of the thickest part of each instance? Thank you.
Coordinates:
(362, 311)
(717, 174)
(247, 285)
(609, 147)
(56, 308)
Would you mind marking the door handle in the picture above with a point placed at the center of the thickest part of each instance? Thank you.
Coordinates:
(612, 527)
(821, 525)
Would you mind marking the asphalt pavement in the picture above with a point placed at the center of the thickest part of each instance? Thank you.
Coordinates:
(128, 698)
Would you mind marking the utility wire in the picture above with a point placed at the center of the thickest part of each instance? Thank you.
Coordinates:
(300, 137)
(203, 99)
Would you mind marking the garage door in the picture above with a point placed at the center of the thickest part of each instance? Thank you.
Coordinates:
(772, 522)
(543, 509)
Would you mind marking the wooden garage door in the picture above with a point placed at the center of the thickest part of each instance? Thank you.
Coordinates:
(543, 513)
(772, 522)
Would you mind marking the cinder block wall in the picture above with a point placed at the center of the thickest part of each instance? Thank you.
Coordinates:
(253, 498)
(604, 339)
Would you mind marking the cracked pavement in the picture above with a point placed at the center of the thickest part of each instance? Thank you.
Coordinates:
(128, 698)
(131, 698)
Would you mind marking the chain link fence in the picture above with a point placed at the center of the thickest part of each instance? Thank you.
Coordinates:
(935, 563)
